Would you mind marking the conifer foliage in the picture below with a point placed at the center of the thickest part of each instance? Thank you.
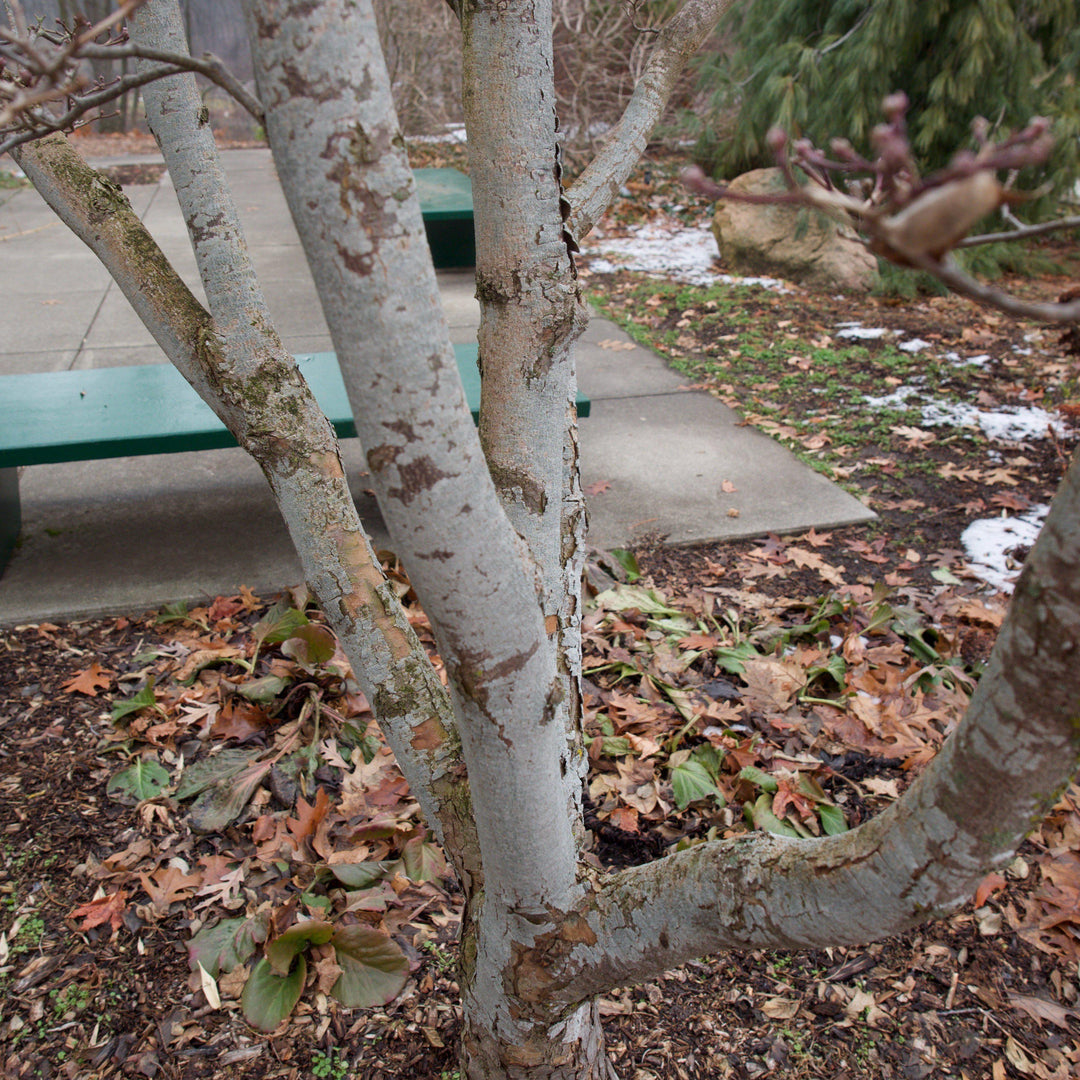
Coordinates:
(819, 70)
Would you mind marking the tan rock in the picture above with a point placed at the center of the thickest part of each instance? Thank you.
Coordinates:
(792, 242)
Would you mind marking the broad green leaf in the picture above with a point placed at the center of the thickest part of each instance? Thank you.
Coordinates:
(172, 612)
(373, 968)
(762, 816)
(227, 944)
(733, 657)
(279, 623)
(142, 779)
(423, 860)
(281, 952)
(222, 803)
(628, 561)
(263, 691)
(691, 781)
(614, 745)
(832, 819)
(710, 758)
(268, 998)
(361, 875)
(759, 778)
(310, 646)
(144, 699)
(212, 770)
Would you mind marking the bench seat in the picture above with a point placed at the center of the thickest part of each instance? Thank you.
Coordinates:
(446, 203)
(57, 416)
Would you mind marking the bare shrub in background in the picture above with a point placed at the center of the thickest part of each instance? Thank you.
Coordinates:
(422, 46)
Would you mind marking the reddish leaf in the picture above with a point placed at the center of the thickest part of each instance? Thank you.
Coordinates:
(598, 488)
(105, 909)
(987, 887)
(307, 816)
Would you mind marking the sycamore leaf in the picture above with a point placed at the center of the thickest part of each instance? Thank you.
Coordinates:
(105, 909)
(268, 998)
(89, 681)
(143, 779)
(309, 816)
(373, 968)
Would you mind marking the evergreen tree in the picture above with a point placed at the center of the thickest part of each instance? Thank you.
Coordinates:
(822, 70)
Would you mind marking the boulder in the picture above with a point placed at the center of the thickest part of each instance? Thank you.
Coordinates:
(782, 240)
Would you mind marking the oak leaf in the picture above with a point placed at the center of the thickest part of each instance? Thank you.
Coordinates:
(89, 681)
(105, 909)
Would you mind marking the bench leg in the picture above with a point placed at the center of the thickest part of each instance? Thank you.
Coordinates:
(10, 515)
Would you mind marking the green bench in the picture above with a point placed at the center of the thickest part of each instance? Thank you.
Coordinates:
(58, 416)
(446, 203)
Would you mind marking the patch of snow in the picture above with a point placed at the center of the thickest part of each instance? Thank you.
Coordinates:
(898, 397)
(915, 345)
(452, 133)
(684, 254)
(1010, 423)
(862, 333)
(989, 541)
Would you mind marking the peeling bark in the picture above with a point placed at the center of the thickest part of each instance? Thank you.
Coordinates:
(489, 527)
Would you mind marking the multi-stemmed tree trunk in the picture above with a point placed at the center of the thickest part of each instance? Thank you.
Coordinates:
(490, 525)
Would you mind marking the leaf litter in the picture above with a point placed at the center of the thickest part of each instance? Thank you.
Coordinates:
(796, 684)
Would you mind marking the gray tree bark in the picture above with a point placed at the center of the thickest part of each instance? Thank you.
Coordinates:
(489, 527)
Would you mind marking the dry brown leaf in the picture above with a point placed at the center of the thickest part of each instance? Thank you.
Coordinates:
(89, 681)
(1040, 1009)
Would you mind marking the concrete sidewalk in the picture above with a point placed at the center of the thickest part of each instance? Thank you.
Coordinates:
(130, 533)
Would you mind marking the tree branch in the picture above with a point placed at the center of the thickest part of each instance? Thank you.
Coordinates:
(598, 185)
(1022, 232)
(948, 273)
(920, 859)
(56, 77)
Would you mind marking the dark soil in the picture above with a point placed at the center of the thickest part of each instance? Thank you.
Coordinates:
(992, 991)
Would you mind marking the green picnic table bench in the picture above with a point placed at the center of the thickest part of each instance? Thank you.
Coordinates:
(446, 203)
(58, 416)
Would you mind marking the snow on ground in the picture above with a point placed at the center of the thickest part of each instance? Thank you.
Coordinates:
(989, 542)
(666, 250)
(1010, 423)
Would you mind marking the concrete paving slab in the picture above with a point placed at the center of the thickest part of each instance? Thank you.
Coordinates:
(45, 322)
(129, 534)
(27, 363)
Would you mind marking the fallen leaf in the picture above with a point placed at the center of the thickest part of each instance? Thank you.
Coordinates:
(727, 486)
(1040, 1009)
(168, 885)
(598, 488)
(105, 909)
(89, 681)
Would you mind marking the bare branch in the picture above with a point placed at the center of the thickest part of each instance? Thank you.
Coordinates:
(683, 35)
(1022, 232)
(909, 220)
(33, 77)
(948, 273)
